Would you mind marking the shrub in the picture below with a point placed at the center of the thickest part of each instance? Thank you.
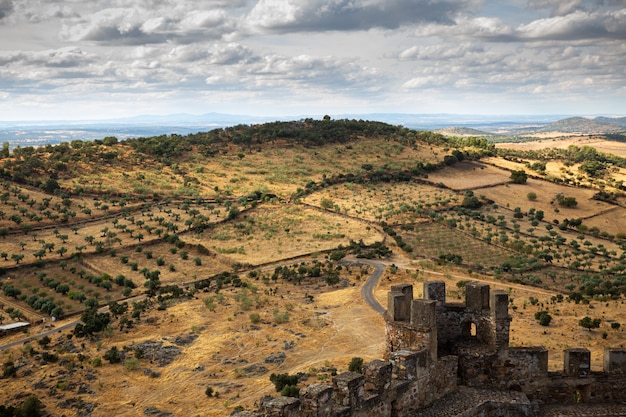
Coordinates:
(290, 391)
(519, 177)
(255, 318)
(615, 325)
(531, 196)
(280, 381)
(113, 355)
(589, 323)
(567, 201)
(132, 364)
(543, 317)
(356, 365)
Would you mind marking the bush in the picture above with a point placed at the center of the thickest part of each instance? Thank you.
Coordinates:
(615, 325)
(255, 318)
(30, 407)
(208, 391)
(567, 201)
(519, 177)
(96, 362)
(543, 317)
(356, 365)
(280, 381)
(132, 364)
(113, 355)
(589, 323)
(290, 391)
(531, 196)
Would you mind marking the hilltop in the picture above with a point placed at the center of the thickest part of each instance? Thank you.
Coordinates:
(218, 258)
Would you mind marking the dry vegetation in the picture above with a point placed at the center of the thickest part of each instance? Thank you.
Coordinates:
(199, 245)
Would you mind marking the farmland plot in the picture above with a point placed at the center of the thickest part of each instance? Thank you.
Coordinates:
(469, 175)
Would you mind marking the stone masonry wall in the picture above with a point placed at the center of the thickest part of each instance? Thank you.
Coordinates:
(419, 369)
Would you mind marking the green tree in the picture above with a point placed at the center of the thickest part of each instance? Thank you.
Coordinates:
(471, 201)
(519, 177)
(589, 323)
(567, 201)
(356, 365)
(31, 407)
(543, 317)
(280, 381)
(113, 355)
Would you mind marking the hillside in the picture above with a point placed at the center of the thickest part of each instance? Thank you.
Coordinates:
(582, 126)
(618, 121)
(463, 131)
(182, 271)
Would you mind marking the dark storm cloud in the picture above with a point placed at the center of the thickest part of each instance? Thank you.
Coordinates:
(321, 15)
(6, 8)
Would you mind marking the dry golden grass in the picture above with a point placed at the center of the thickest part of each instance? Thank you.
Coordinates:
(279, 169)
(326, 332)
(271, 233)
(600, 143)
(469, 175)
(389, 202)
(515, 195)
(329, 331)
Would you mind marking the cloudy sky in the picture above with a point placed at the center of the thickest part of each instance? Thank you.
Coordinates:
(76, 59)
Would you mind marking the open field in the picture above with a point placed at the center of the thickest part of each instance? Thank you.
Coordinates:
(516, 195)
(469, 175)
(600, 143)
(389, 202)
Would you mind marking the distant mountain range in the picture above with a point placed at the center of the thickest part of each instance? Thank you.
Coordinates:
(37, 133)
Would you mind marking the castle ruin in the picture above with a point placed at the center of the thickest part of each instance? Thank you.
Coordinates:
(454, 359)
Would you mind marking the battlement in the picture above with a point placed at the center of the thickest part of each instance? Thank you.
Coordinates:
(435, 349)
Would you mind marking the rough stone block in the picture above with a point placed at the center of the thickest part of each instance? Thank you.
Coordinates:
(477, 296)
(499, 304)
(377, 375)
(399, 302)
(615, 360)
(282, 406)
(423, 313)
(577, 362)
(404, 364)
(348, 389)
(436, 291)
(533, 361)
(317, 399)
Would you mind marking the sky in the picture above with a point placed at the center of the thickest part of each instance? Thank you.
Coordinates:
(98, 59)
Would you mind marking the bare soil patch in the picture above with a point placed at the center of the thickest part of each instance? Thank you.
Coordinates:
(469, 175)
(272, 233)
(515, 195)
(389, 202)
(227, 351)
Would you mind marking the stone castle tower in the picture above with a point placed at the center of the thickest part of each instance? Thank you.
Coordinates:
(454, 359)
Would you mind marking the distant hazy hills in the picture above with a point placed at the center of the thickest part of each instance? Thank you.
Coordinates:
(464, 131)
(587, 126)
(578, 125)
(37, 133)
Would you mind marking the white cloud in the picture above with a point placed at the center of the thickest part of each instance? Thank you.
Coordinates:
(361, 52)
